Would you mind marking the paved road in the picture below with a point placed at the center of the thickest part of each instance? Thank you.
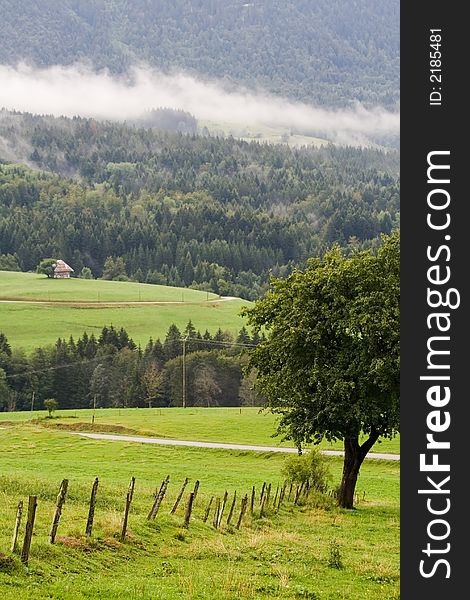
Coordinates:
(167, 442)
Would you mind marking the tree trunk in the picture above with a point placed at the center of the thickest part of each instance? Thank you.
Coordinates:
(354, 455)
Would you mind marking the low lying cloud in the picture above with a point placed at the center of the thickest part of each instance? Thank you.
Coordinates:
(78, 90)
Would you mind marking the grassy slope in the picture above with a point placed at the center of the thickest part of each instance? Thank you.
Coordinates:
(28, 326)
(282, 556)
(30, 286)
(239, 426)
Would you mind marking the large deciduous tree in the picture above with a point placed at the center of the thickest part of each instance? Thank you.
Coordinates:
(330, 364)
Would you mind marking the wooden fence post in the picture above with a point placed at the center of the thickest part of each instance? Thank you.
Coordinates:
(196, 488)
(290, 490)
(268, 494)
(91, 511)
(281, 495)
(215, 520)
(242, 510)
(252, 501)
(230, 514)
(275, 496)
(307, 489)
(261, 510)
(130, 495)
(28, 534)
(298, 492)
(206, 514)
(284, 488)
(189, 508)
(58, 511)
(19, 514)
(261, 496)
(158, 499)
(178, 498)
(222, 508)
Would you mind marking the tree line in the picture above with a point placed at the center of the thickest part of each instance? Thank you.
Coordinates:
(112, 371)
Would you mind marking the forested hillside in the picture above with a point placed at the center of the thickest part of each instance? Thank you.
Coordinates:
(113, 370)
(175, 209)
(330, 52)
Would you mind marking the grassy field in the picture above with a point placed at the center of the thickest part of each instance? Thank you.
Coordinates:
(285, 555)
(288, 555)
(246, 425)
(72, 307)
(28, 326)
(30, 286)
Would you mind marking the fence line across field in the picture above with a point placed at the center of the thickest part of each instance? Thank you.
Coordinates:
(266, 502)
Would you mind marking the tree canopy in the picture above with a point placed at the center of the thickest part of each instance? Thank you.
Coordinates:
(330, 364)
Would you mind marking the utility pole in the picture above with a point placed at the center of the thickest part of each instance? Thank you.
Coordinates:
(94, 409)
(184, 371)
(32, 403)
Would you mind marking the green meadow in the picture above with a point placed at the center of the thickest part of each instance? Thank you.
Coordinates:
(313, 550)
(31, 286)
(72, 306)
(28, 326)
(244, 425)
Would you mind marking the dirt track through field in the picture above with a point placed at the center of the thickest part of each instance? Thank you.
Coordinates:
(219, 445)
